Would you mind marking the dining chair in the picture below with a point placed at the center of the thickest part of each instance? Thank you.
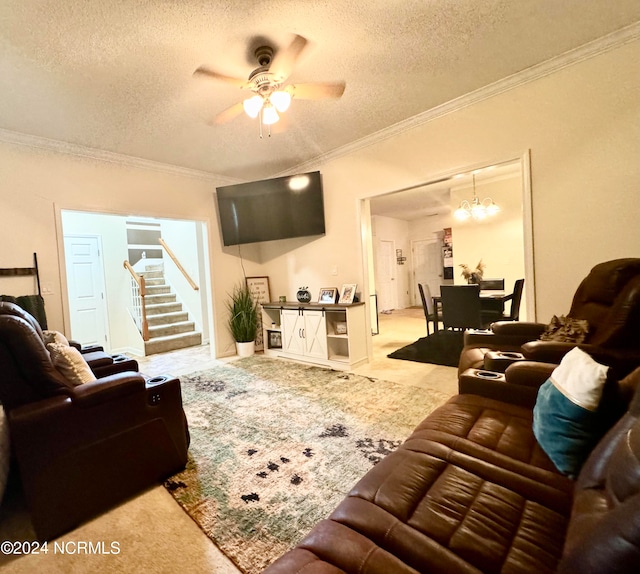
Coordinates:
(461, 306)
(432, 312)
(514, 311)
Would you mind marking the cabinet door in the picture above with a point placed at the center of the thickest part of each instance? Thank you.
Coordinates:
(292, 331)
(315, 334)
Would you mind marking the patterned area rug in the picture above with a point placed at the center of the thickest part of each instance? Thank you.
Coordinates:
(275, 446)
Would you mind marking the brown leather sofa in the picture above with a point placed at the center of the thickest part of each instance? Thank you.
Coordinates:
(471, 491)
(81, 449)
(101, 363)
(608, 299)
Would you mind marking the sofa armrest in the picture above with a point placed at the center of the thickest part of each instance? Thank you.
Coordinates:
(529, 373)
(107, 389)
(85, 348)
(524, 329)
(510, 334)
(623, 361)
(473, 382)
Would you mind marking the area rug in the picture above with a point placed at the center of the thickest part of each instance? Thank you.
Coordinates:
(439, 348)
(276, 445)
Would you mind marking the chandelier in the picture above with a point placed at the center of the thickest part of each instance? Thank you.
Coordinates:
(476, 209)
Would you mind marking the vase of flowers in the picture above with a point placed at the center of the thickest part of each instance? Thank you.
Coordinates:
(475, 275)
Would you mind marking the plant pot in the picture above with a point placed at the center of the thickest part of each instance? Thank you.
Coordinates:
(246, 349)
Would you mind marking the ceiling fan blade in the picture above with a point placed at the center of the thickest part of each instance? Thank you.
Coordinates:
(229, 114)
(202, 71)
(317, 91)
(285, 59)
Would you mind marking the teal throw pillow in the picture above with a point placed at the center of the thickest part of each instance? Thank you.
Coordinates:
(566, 422)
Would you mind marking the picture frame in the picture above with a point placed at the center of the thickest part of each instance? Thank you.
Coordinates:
(328, 295)
(275, 340)
(261, 293)
(347, 293)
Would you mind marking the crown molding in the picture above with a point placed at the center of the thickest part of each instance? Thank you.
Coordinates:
(57, 146)
(590, 50)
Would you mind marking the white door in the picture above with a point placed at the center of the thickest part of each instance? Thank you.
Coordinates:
(315, 334)
(427, 267)
(292, 331)
(385, 275)
(85, 283)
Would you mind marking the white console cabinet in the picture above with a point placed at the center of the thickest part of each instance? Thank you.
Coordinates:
(329, 335)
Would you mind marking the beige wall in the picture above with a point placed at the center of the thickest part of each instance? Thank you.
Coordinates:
(580, 123)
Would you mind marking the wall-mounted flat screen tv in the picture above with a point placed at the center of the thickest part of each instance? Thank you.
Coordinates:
(279, 208)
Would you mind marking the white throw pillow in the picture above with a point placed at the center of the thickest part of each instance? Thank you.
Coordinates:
(54, 337)
(580, 378)
(70, 362)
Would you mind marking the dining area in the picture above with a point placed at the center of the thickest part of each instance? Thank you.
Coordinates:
(471, 306)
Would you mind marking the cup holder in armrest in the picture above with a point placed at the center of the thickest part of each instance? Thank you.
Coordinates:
(157, 380)
(488, 375)
(511, 355)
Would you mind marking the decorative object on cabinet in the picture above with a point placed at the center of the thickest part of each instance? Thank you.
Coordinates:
(328, 295)
(259, 288)
(347, 293)
(243, 319)
(303, 295)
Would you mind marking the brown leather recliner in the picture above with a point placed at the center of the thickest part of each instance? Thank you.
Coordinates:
(101, 363)
(608, 298)
(82, 449)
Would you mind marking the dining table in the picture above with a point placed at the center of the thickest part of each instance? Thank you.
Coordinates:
(490, 300)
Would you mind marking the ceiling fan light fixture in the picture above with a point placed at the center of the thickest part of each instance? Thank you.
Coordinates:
(253, 105)
(269, 114)
(281, 100)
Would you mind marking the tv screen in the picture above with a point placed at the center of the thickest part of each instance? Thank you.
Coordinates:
(278, 208)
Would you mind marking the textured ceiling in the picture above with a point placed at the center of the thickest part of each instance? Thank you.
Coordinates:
(117, 75)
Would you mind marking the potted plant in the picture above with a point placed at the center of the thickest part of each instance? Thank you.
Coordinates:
(474, 276)
(243, 319)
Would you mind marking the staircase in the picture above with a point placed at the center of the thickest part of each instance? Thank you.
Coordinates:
(169, 325)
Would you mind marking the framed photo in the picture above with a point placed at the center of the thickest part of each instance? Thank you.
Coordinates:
(259, 289)
(328, 295)
(347, 293)
(275, 340)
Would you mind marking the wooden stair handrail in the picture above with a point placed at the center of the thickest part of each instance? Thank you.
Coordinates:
(178, 264)
(143, 291)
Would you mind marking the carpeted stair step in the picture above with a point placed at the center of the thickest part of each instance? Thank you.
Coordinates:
(162, 308)
(172, 342)
(167, 318)
(171, 329)
(159, 289)
(160, 298)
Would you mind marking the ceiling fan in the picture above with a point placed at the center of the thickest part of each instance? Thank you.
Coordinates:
(270, 96)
